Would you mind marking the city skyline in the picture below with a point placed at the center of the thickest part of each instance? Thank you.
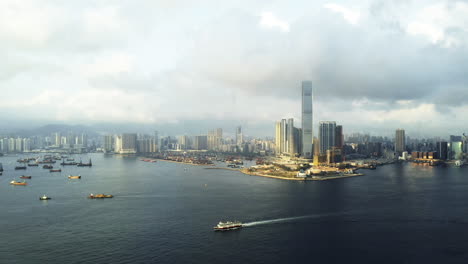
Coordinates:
(105, 73)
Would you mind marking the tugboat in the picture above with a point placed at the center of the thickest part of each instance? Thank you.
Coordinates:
(100, 196)
(58, 170)
(25, 177)
(74, 177)
(44, 197)
(18, 183)
(224, 226)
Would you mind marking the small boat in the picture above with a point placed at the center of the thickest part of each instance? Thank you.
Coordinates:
(18, 183)
(20, 167)
(74, 177)
(224, 226)
(97, 196)
(33, 165)
(25, 177)
(57, 170)
(44, 197)
(47, 167)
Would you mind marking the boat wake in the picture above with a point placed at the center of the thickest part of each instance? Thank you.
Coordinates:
(287, 219)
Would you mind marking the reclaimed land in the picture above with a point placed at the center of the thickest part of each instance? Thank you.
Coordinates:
(314, 178)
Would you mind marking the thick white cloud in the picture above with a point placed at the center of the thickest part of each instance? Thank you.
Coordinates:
(349, 15)
(269, 20)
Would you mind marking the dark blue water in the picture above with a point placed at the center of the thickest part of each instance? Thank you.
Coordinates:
(163, 213)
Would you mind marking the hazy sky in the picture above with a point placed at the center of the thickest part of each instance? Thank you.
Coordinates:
(375, 65)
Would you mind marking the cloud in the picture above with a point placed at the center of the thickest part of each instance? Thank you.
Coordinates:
(156, 62)
(349, 15)
(269, 20)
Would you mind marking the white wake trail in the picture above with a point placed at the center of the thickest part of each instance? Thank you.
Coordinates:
(287, 219)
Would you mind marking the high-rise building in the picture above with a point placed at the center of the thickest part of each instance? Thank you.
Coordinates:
(400, 141)
(200, 142)
(307, 119)
(284, 136)
(327, 132)
(126, 143)
(108, 143)
(290, 138)
(442, 150)
(278, 142)
(339, 138)
(58, 139)
(239, 136)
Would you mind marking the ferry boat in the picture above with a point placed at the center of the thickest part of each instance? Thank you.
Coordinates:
(58, 170)
(44, 197)
(98, 196)
(25, 177)
(18, 183)
(74, 177)
(224, 226)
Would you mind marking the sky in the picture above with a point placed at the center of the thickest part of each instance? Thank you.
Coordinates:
(375, 65)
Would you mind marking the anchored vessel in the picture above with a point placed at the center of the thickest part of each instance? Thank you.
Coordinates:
(44, 197)
(223, 226)
(18, 183)
(57, 170)
(25, 177)
(74, 177)
(97, 196)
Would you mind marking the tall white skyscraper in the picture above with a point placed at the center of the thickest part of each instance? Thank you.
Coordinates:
(307, 119)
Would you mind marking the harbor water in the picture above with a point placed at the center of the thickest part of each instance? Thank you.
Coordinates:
(165, 212)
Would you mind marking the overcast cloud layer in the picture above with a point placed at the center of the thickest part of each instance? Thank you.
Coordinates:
(375, 65)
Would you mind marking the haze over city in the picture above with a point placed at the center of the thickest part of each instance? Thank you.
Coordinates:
(374, 65)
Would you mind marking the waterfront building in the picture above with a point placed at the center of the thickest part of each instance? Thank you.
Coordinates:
(108, 143)
(327, 132)
(26, 145)
(456, 150)
(400, 141)
(126, 143)
(307, 119)
(442, 149)
(339, 138)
